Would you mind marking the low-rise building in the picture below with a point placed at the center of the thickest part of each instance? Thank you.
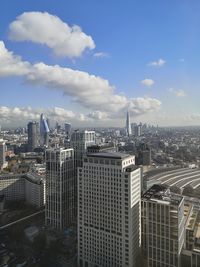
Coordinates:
(27, 187)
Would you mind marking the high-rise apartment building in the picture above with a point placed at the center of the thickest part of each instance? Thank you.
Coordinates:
(128, 124)
(162, 216)
(109, 186)
(33, 135)
(60, 182)
(2, 153)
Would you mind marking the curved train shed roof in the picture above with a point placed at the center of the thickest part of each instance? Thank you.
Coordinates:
(179, 177)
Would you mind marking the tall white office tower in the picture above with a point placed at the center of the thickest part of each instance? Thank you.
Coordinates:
(60, 182)
(162, 214)
(109, 186)
(128, 124)
(2, 153)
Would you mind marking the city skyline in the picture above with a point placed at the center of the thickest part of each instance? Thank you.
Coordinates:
(79, 63)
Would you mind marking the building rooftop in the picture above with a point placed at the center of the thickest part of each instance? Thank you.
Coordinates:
(32, 177)
(113, 155)
(161, 193)
(132, 168)
(192, 220)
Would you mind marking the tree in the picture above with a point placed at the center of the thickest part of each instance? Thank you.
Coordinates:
(39, 243)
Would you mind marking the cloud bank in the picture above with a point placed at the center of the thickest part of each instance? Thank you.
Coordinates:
(92, 92)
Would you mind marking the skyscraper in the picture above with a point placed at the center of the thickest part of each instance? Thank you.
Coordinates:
(108, 210)
(162, 227)
(60, 181)
(128, 124)
(68, 130)
(33, 135)
(80, 140)
(44, 131)
(2, 153)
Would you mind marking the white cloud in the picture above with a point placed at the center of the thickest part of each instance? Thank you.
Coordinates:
(178, 93)
(182, 60)
(11, 64)
(101, 54)
(148, 82)
(98, 115)
(92, 92)
(47, 29)
(158, 63)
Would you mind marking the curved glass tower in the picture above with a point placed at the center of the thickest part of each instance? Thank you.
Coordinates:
(44, 131)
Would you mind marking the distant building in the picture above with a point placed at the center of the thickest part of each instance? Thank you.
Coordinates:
(33, 135)
(2, 153)
(162, 215)
(143, 155)
(44, 131)
(140, 129)
(108, 210)
(128, 124)
(60, 209)
(135, 130)
(80, 140)
(68, 130)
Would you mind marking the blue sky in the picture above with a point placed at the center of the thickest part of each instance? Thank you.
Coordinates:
(130, 38)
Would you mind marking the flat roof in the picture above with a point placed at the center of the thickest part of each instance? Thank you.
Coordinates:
(32, 177)
(161, 193)
(114, 155)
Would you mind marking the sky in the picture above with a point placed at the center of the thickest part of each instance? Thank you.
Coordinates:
(88, 62)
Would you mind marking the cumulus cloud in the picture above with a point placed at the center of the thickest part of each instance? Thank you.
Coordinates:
(101, 54)
(158, 63)
(92, 92)
(98, 115)
(148, 82)
(11, 64)
(46, 29)
(178, 93)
